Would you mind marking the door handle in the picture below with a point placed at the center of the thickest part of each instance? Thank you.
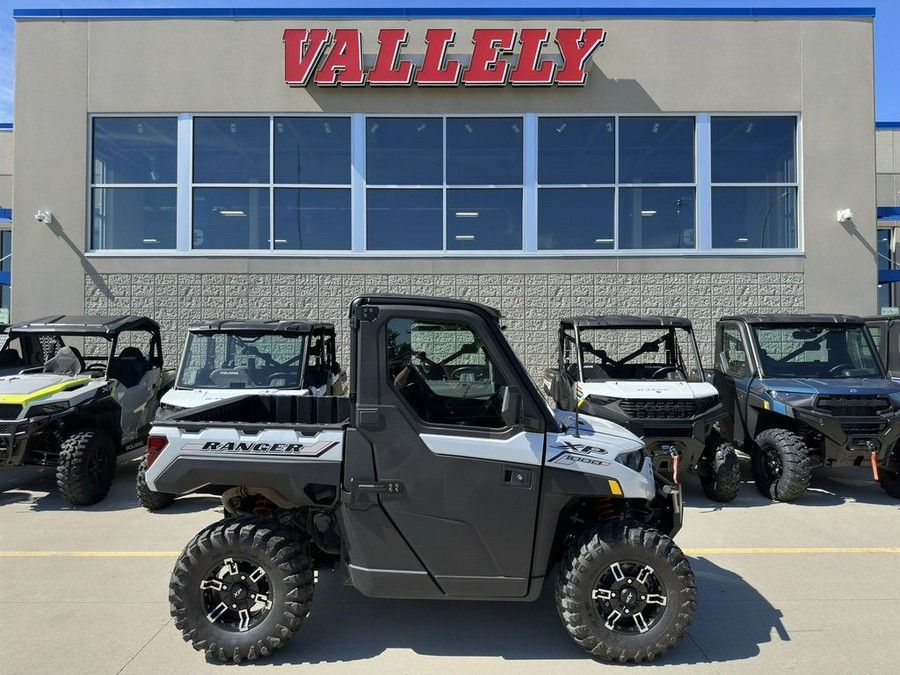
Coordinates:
(376, 487)
(516, 477)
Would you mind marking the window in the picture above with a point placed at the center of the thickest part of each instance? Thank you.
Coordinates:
(733, 357)
(133, 183)
(444, 371)
(824, 352)
(576, 155)
(754, 183)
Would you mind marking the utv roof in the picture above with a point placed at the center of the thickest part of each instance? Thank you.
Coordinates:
(627, 321)
(70, 324)
(794, 319)
(247, 326)
(449, 303)
(881, 317)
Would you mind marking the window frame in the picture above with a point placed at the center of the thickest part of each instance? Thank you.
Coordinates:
(529, 187)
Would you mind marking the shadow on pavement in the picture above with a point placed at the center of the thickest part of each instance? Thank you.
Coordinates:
(346, 626)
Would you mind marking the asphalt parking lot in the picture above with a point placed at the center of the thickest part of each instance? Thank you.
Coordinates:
(810, 586)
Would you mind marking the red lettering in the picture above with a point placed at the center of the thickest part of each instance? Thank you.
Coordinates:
(527, 71)
(389, 69)
(302, 50)
(436, 68)
(344, 64)
(576, 46)
(486, 66)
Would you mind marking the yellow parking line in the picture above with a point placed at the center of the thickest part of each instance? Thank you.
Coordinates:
(778, 551)
(688, 551)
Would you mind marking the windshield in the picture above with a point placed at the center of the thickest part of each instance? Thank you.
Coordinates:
(638, 354)
(242, 361)
(823, 352)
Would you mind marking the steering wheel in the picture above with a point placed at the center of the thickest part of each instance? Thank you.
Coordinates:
(835, 370)
(99, 367)
(287, 376)
(665, 370)
(466, 370)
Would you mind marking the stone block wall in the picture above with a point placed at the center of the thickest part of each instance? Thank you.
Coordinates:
(532, 304)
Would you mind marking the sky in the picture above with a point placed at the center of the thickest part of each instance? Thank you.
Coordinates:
(887, 32)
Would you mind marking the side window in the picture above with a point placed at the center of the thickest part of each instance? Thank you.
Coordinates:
(445, 372)
(733, 358)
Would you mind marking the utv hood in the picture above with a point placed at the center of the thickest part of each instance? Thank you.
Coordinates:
(600, 430)
(842, 386)
(648, 389)
(192, 398)
(24, 389)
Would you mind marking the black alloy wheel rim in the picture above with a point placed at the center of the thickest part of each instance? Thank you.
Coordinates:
(236, 595)
(771, 463)
(98, 465)
(629, 597)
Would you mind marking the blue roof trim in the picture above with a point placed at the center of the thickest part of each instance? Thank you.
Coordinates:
(5, 277)
(410, 9)
(887, 125)
(888, 276)
(6, 215)
(888, 213)
(6, 125)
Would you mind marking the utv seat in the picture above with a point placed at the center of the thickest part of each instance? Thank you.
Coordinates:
(9, 358)
(66, 361)
(128, 367)
(594, 372)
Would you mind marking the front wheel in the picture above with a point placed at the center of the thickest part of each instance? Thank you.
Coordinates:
(241, 588)
(721, 478)
(781, 464)
(151, 499)
(625, 592)
(86, 467)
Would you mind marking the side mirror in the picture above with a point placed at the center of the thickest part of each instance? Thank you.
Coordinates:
(511, 407)
(709, 376)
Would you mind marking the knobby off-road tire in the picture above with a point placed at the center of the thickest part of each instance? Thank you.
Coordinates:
(890, 482)
(625, 592)
(151, 499)
(241, 588)
(722, 478)
(87, 465)
(781, 464)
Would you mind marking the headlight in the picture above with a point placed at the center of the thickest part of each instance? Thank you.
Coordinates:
(633, 459)
(165, 409)
(600, 400)
(792, 397)
(708, 403)
(48, 408)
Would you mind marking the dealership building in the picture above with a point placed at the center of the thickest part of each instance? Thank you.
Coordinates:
(548, 161)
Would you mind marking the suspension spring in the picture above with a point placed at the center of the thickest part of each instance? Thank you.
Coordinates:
(606, 509)
(263, 507)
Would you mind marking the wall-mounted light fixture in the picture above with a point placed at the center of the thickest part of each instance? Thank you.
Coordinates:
(844, 215)
(45, 217)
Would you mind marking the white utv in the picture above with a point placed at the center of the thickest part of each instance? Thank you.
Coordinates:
(225, 359)
(644, 373)
(79, 413)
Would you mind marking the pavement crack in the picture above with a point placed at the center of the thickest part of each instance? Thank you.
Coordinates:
(705, 656)
(144, 646)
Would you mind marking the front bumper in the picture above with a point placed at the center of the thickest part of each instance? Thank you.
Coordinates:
(670, 505)
(850, 441)
(13, 442)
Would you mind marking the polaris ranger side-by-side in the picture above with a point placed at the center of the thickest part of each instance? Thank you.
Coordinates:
(444, 475)
(223, 359)
(805, 391)
(77, 412)
(644, 372)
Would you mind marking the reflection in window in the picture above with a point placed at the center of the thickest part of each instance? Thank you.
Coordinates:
(753, 149)
(484, 151)
(404, 151)
(656, 150)
(444, 372)
(576, 150)
(231, 149)
(484, 219)
(133, 218)
(754, 217)
(404, 220)
(575, 218)
(134, 150)
(312, 150)
(656, 218)
(230, 218)
(312, 219)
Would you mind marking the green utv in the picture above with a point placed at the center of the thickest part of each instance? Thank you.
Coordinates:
(79, 413)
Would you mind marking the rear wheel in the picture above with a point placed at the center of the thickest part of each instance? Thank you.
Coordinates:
(151, 499)
(721, 478)
(241, 588)
(781, 464)
(625, 592)
(87, 465)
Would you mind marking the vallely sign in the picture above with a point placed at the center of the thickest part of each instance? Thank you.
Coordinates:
(335, 58)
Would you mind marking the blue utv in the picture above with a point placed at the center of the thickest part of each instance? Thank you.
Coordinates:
(803, 391)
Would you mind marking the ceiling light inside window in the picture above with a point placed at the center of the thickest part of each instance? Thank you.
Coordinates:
(656, 128)
(648, 213)
(609, 127)
(421, 127)
(280, 128)
(467, 127)
(749, 128)
(140, 128)
(232, 213)
(327, 128)
(561, 128)
(604, 241)
(233, 127)
(373, 128)
(464, 237)
(467, 214)
(515, 127)
(741, 240)
(151, 241)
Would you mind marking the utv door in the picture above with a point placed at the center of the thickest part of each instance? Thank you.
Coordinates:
(456, 472)
(732, 376)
